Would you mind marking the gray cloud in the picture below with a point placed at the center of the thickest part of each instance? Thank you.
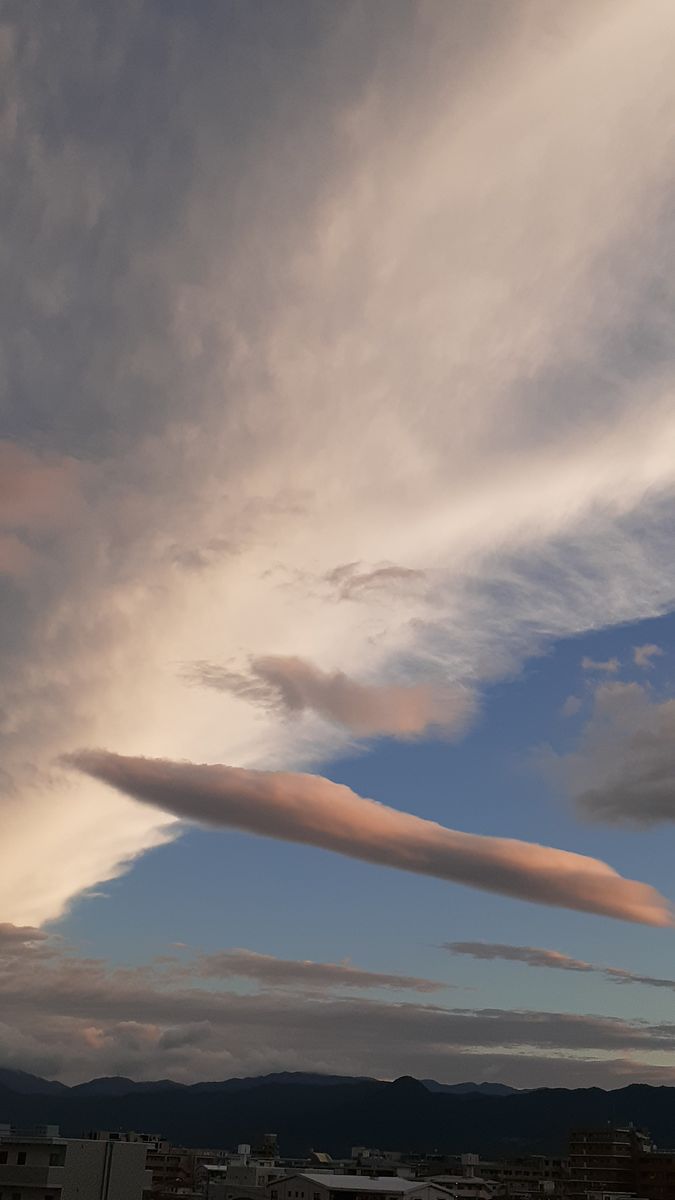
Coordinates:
(624, 766)
(314, 811)
(534, 956)
(295, 685)
(13, 936)
(279, 972)
(643, 655)
(77, 1017)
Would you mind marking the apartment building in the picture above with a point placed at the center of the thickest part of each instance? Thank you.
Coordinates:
(606, 1160)
(41, 1165)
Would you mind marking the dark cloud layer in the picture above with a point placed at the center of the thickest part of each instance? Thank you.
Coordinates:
(624, 767)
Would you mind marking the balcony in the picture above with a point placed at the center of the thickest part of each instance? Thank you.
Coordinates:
(14, 1176)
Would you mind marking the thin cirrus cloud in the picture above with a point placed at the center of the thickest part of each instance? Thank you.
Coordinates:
(506, 438)
(294, 685)
(312, 810)
(536, 956)
(623, 767)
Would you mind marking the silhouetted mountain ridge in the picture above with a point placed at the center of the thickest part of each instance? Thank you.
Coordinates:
(333, 1116)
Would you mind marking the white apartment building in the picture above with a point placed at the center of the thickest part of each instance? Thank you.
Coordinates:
(41, 1165)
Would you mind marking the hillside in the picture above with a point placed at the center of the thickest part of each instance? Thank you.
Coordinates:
(308, 1114)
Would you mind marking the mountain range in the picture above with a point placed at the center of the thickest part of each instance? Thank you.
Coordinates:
(333, 1113)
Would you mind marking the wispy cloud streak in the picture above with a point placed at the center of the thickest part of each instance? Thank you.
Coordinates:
(535, 956)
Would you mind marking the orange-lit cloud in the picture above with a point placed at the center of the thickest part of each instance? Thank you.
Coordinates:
(368, 710)
(317, 812)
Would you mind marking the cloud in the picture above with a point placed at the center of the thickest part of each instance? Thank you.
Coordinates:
(462, 373)
(353, 582)
(38, 493)
(76, 1017)
(367, 710)
(534, 956)
(571, 706)
(610, 666)
(624, 766)
(278, 972)
(314, 811)
(19, 935)
(643, 655)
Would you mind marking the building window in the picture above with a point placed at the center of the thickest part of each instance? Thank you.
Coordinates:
(54, 1160)
(21, 1160)
(3, 1156)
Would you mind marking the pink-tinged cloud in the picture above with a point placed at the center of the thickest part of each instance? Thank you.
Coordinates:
(295, 685)
(367, 710)
(16, 557)
(35, 492)
(314, 811)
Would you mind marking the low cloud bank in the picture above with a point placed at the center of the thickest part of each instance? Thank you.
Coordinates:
(77, 1017)
(314, 811)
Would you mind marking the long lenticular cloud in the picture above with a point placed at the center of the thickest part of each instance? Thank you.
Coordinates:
(314, 811)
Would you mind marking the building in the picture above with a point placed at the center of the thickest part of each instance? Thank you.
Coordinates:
(466, 1187)
(606, 1160)
(324, 1185)
(241, 1181)
(41, 1165)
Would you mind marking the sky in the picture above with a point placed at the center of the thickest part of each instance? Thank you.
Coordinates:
(337, 510)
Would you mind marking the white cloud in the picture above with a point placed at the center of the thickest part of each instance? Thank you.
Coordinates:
(398, 342)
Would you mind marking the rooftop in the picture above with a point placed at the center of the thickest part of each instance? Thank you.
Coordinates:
(364, 1183)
